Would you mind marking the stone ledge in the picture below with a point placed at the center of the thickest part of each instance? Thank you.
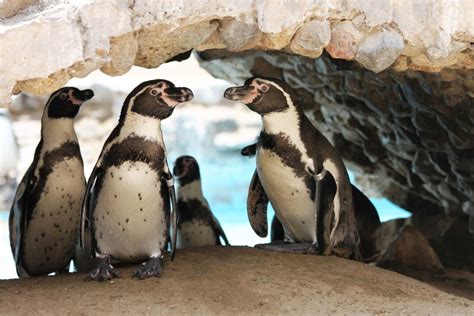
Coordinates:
(237, 280)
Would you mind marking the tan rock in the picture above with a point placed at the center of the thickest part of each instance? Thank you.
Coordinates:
(345, 39)
(410, 249)
(40, 86)
(379, 50)
(311, 38)
(122, 54)
(9, 8)
(237, 35)
(158, 44)
(79, 36)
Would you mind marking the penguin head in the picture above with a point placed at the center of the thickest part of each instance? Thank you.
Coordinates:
(186, 170)
(262, 95)
(65, 102)
(157, 98)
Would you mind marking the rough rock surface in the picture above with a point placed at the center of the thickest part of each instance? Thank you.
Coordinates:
(448, 237)
(235, 280)
(409, 250)
(72, 38)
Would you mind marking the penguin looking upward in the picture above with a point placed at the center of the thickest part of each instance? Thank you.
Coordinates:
(197, 226)
(46, 210)
(295, 163)
(127, 200)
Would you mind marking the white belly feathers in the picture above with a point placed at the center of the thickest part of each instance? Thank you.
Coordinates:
(195, 233)
(129, 213)
(52, 235)
(288, 195)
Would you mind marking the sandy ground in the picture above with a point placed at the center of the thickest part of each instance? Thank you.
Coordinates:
(236, 280)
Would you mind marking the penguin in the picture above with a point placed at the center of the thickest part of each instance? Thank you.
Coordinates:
(366, 215)
(299, 173)
(126, 208)
(197, 226)
(45, 214)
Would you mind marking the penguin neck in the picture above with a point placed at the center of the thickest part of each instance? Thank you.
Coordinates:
(285, 122)
(191, 190)
(55, 132)
(142, 126)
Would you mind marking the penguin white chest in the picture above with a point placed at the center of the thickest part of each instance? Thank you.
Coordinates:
(195, 233)
(289, 195)
(51, 234)
(130, 216)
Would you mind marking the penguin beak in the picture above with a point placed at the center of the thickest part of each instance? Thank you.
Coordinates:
(237, 93)
(179, 94)
(80, 96)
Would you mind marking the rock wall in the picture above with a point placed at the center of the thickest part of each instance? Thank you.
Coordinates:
(44, 43)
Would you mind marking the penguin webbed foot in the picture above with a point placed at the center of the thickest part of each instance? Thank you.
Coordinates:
(104, 272)
(288, 247)
(151, 268)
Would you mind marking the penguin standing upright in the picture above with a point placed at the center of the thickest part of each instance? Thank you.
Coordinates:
(127, 202)
(197, 226)
(365, 212)
(299, 172)
(45, 214)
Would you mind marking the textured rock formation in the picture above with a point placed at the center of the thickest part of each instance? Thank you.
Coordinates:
(44, 43)
(409, 250)
(448, 237)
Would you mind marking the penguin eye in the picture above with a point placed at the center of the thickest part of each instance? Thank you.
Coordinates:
(154, 91)
(264, 88)
(63, 96)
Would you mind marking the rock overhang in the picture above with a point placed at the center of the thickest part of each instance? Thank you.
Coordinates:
(46, 43)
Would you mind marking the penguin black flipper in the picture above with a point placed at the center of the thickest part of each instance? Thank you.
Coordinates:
(216, 226)
(277, 233)
(257, 203)
(20, 213)
(250, 150)
(172, 206)
(86, 209)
